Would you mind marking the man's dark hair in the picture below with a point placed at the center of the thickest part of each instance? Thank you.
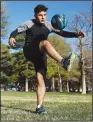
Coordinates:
(40, 8)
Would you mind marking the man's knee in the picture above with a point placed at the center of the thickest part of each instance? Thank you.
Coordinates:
(40, 79)
(41, 75)
(43, 44)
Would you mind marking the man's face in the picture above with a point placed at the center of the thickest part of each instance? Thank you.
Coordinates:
(41, 17)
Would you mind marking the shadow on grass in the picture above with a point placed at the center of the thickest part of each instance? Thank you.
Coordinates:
(18, 109)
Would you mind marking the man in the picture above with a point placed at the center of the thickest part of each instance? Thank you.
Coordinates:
(37, 46)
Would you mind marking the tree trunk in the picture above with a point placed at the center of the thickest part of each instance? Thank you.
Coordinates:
(60, 84)
(26, 85)
(67, 86)
(53, 84)
(26, 82)
(83, 81)
(82, 68)
(60, 81)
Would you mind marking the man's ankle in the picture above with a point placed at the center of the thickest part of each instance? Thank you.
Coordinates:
(38, 106)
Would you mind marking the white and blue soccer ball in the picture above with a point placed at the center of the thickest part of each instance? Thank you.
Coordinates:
(59, 21)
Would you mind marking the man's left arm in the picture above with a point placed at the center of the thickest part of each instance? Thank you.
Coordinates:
(64, 33)
(70, 34)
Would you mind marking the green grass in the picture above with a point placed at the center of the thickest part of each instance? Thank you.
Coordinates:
(60, 106)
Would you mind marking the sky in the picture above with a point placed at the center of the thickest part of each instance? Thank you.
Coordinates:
(21, 11)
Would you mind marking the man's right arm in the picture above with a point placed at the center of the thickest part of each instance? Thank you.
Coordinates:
(22, 28)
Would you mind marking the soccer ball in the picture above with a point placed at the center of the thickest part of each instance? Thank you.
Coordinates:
(59, 21)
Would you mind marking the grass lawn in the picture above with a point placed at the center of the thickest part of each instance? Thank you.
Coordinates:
(60, 106)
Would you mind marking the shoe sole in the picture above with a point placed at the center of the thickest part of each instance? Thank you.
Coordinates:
(41, 112)
(71, 61)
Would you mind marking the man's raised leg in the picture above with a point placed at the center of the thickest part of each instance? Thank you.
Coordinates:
(49, 49)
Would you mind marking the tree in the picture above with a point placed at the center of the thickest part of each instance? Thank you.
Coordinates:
(5, 59)
(21, 70)
(5, 55)
(83, 21)
(4, 20)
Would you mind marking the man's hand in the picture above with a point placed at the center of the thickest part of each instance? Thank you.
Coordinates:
(82, 34)
(12, 42)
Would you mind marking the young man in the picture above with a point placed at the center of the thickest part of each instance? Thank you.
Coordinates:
(37, 46)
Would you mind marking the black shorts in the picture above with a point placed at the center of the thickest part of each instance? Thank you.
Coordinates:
(37, 57)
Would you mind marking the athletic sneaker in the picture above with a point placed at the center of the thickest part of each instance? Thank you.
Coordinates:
(40, 110)
(67, 62)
